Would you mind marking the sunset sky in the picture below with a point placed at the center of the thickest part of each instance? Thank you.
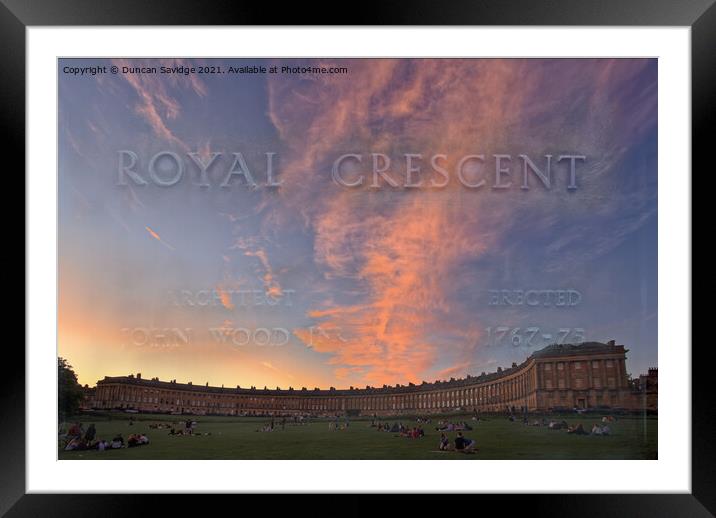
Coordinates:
(373, 286)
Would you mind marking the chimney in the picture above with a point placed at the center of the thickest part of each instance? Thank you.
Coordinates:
(139, 375)
(611, 343)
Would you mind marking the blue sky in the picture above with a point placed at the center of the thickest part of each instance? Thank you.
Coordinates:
(371, 286)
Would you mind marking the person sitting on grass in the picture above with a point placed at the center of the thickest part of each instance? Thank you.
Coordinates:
(600, 430)
(463, 444)
(73, 444)
(117, 442)
(137, 439)
(444, 444)
(74, 431)
(577, 430)
(90, 433)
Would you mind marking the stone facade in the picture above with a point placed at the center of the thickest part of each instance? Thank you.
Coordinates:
(585, 376)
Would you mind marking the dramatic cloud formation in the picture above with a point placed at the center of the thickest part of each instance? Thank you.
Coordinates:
(406, 249)
(387, 285)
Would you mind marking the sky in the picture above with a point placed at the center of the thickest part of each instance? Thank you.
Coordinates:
(298, 280)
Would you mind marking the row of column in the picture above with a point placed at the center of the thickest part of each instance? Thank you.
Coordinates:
(494, 395)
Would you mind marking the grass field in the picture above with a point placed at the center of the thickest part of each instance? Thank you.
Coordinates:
(496, 438)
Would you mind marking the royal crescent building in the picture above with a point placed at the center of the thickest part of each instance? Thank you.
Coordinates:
(587, 375)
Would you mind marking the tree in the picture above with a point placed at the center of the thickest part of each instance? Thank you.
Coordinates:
(69, 391)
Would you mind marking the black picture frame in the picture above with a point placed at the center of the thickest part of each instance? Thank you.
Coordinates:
(699, 15)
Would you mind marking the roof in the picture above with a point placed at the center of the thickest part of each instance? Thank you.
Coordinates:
(578, 349)
(551, 351)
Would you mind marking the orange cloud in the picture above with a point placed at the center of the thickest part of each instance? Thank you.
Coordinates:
(403, 253)
(225, 297)
(405, 249)
(158, 238)
(271, 284)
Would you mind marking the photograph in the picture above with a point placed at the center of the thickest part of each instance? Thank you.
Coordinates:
(359, 258)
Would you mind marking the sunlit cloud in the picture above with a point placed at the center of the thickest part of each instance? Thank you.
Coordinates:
(406, 250)
(387, 281)
(158, 238)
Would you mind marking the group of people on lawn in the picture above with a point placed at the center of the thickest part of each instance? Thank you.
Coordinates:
(78, 439)
(414, 432)
(461, 444)
(578, 429)
(446, 426)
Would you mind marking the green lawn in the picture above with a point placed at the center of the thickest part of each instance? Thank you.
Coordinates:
(496, 437)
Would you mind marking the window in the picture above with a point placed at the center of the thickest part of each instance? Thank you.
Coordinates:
(595, 364)
(548, 367)
(579, 383)
(548, 384)
(597, 383)
(611, 382)
(577, 365)
(561, 384)
(560, 366)
(609, 364)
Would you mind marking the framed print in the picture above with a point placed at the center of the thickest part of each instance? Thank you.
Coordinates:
(329, 258)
